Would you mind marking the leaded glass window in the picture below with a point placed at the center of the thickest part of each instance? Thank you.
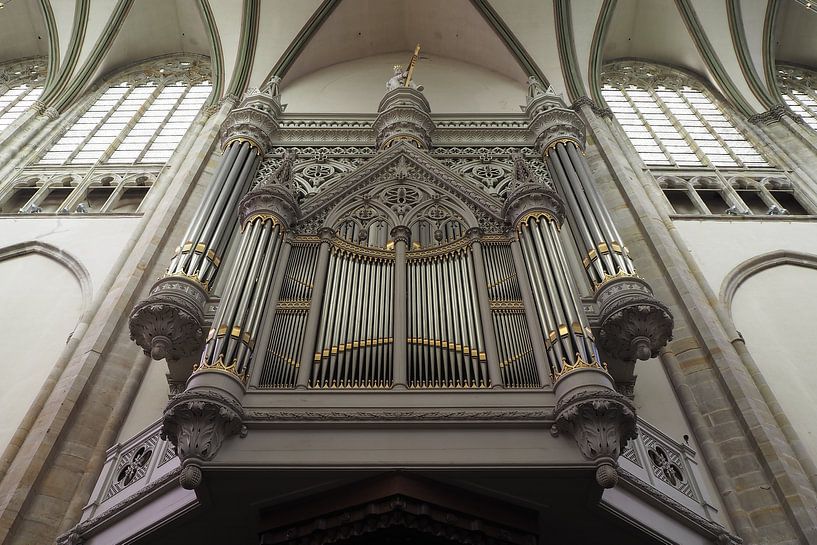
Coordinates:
(799, 88)
(672, 121)
(139, 118)
(21, 84)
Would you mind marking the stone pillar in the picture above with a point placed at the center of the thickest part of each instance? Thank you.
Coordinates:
(402, 238)
(632, 323)
(169, 323)
(488, 332)
(210, 409)
(588, 408)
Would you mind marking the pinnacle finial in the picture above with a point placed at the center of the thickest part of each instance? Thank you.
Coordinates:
(283, 172)
(522, 174)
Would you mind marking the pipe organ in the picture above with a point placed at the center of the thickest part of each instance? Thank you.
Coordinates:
(285, 334)
(403, 274)
(356, 330)
(445, 338)
(515, 351)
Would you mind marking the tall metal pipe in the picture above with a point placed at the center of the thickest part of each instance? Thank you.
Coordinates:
(315, 309)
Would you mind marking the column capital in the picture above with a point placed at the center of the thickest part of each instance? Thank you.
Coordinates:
(326, 234)
(401, 233)
(528, 196)
(556, 124)
(254, 121)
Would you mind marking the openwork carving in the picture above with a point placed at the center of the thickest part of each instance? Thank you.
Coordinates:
(169, 324)
(601, 422)
(132, 465)
(633, 324)
(197, 422)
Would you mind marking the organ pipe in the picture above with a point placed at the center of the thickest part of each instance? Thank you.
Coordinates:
(632, 323)
(265, 214)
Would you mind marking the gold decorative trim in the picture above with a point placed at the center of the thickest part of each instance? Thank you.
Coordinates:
(501, 281)
(264, 216)
(439, 251)
(354, 250)
(610, 277)
(199, 249)
(495, 239)
(508, 305)
(525, 218)
(296, 304)
(448, 345)
(514, 358)
(235, 332)
(254, 145)
(219, 366)
(555, 143)
(366, 343)
(580, 363)
(603, 248)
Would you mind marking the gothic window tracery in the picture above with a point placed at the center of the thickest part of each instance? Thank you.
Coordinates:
(21, 84)
(799, 88)
(672, 120)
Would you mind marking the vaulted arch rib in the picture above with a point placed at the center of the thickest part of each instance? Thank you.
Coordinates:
(216, 53)
(711, 59)
(53, 43)
(249, 38)
(744, 57)
(769, 64)
(59, 81)
(599, 37)
(567, 49)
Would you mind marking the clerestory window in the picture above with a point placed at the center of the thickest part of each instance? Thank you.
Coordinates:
(799, 89)
(672, 120)
(106, 159)
(21, 84)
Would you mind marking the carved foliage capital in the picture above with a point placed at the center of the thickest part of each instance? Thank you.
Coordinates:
(169, 324)
(633, 324)
(601, 422)
(197, 422)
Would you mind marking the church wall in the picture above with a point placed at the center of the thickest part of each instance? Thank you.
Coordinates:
(451, 87)
(32, 286)
(773, 310)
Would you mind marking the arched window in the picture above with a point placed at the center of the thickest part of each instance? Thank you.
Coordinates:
(21, 83)
(139, 118)
(671, 119)
(799, 88)
(109, 154)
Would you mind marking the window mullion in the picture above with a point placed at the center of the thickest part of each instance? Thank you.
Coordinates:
(137, 115)
(802, 104)
(711, 129)
(679, 127)
(161, 126)
(14, 101)
(98, 126)
(648, 126)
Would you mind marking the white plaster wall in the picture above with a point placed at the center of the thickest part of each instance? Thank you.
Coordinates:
(358, 86)
(719, 246)
(776, 313)
(94, 241)
(40, 300)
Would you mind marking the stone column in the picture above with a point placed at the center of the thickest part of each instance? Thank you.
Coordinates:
(169, 323)
(632, 323)
(402, 238)
(210, 409)
(588, 408)
(488, 332)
